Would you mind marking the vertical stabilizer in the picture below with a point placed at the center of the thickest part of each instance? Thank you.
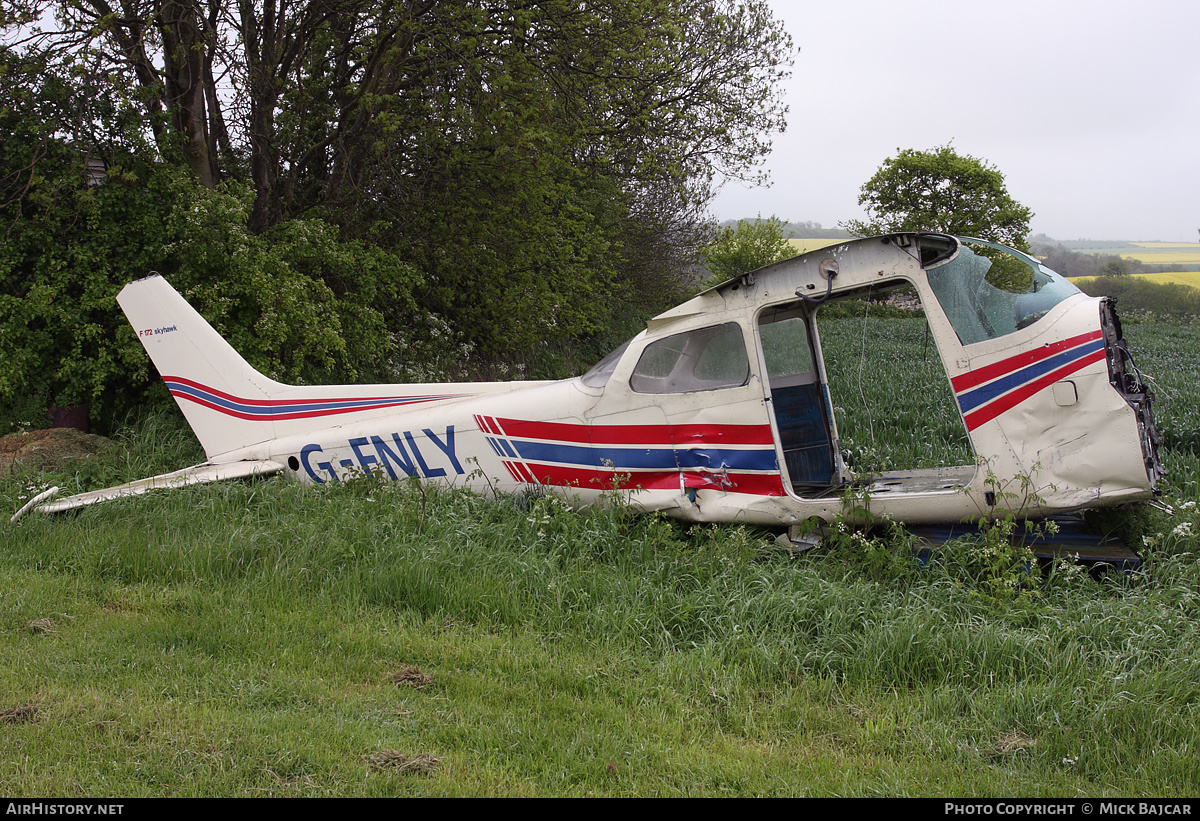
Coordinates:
(217, 390)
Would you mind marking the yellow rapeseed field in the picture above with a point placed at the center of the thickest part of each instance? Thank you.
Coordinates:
(1166, 253)
(1190, 278)
(1151, 253)
(1192, 245)
(803, 246)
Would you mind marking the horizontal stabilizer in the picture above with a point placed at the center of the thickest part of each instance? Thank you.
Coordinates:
(196, 475)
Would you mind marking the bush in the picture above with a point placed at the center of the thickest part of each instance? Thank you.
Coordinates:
(296, 303)
(1136, 295)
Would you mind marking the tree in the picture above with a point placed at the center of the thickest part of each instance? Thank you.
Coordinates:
(941, 190)
(535, 161)
(752, 244)
(310, 101)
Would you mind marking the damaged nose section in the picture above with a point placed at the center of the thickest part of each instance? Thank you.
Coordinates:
(1125, 377)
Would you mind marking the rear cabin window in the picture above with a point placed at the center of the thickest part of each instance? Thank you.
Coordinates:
(786, 350)
(703, 360)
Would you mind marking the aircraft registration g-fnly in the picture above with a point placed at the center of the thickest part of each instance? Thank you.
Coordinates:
(721, 409)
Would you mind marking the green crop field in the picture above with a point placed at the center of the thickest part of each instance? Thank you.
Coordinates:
(364, 639)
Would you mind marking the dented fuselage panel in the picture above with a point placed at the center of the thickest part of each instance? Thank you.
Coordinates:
(721, 409)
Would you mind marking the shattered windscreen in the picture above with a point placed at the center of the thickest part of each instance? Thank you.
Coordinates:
(988, 290)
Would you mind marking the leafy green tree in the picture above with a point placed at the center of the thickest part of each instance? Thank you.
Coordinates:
(1114, 267)
(540, 164)
(298, 303)
(750, 245)
(310, 101)
(941, 190)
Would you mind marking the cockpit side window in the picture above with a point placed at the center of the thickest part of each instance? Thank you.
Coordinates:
(988, 290)
(702, 360)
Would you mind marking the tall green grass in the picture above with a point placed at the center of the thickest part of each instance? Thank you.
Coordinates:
(893, 403)
(241, 639)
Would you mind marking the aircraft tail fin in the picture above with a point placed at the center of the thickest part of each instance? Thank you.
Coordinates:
(220, 394)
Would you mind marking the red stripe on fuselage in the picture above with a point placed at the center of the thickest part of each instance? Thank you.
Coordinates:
(759, 484)
(267, 403)
(273, 417)
(990, 411)
(995, 370)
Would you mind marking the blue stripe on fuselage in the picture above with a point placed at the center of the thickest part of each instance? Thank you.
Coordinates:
(986, 393)
(647, 458)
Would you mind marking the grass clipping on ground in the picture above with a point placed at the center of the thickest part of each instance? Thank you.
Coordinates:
(418, 764)
(51, 449)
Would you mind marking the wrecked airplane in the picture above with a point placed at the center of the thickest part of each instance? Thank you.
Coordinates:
(721, 409)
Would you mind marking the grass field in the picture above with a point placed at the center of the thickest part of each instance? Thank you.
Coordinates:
(883, 427)
(266, 639)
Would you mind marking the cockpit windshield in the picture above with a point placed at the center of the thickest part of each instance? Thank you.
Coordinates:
(989, 290)
(597, 376)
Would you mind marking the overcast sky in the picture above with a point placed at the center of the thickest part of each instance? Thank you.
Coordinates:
(1091, 110)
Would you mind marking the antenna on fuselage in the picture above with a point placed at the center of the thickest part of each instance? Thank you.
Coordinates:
(828, 269)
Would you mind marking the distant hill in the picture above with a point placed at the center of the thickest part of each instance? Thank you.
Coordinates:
(1089, 258)
(1073, 257)
(1083, 246)
(804, 229)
